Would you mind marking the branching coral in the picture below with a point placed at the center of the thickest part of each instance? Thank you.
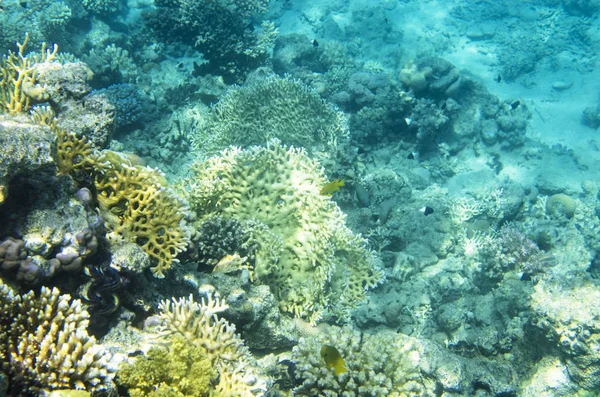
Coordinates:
(44, 344)
(212, 344)
(312, 262)
(384, 364)
(139, 208)
(134, 200)
(18, 78)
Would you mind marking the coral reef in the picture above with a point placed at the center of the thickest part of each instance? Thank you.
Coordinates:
(44, 344)
(129, 103)
(567, 312)
(139, 208)
(279, 108)
(382, 364)
(220, 30)
(27, 149)
(307, 255)
(19, 78)
(216, 349)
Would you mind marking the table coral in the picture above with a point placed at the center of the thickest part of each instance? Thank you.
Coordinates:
(313, 263)
(44, 344)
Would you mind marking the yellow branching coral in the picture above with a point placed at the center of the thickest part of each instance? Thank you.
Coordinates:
(200, 326)
(18, 78)
(139, 208)
(44, 344)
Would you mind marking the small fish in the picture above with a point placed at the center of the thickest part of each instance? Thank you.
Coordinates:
(408, 121)
(411, 156)
(331, 187)
(427, 210)
(515, 105)
(315, 43)
(333, 359)
(443, 105)
(499, 79)
(230, 264)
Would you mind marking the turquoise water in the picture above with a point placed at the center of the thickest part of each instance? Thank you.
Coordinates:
(299, 198)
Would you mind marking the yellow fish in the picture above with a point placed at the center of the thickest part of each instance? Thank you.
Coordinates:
(332, 187)
(333, 359)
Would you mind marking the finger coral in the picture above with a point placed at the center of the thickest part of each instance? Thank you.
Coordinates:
(44, 344)
(18, 78)
(307, 255)
(385, 364)
(204, 356)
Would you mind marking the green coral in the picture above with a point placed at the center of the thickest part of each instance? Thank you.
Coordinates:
(274, 107)
(312, 262)
(204, 356)
(179, 370)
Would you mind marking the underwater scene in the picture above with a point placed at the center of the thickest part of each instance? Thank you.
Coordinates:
(312, 198)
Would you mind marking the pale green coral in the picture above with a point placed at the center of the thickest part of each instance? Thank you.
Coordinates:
(178, 370)
(307, 255)
(273, 107)
(200, 326)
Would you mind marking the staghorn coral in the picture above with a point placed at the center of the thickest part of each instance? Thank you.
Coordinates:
(44, 344)
(312, 262)
(214, 340)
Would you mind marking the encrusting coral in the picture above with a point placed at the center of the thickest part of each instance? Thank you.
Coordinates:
(44, 344)
(205, 356)
(307, 255)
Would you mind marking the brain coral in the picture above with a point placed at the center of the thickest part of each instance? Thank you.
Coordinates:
(310, 259)
(269, 108)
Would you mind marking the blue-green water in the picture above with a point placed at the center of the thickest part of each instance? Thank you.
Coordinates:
(299, 198)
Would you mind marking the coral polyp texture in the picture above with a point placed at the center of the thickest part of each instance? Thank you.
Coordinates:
(44, 344)
(313, 263)
(274, 107)
(201, 345)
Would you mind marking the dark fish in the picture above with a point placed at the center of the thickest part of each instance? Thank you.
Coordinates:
(443, 105)
(411, 156)
(427, 210)
(315, 43)
(499, 79)
(515, 104)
